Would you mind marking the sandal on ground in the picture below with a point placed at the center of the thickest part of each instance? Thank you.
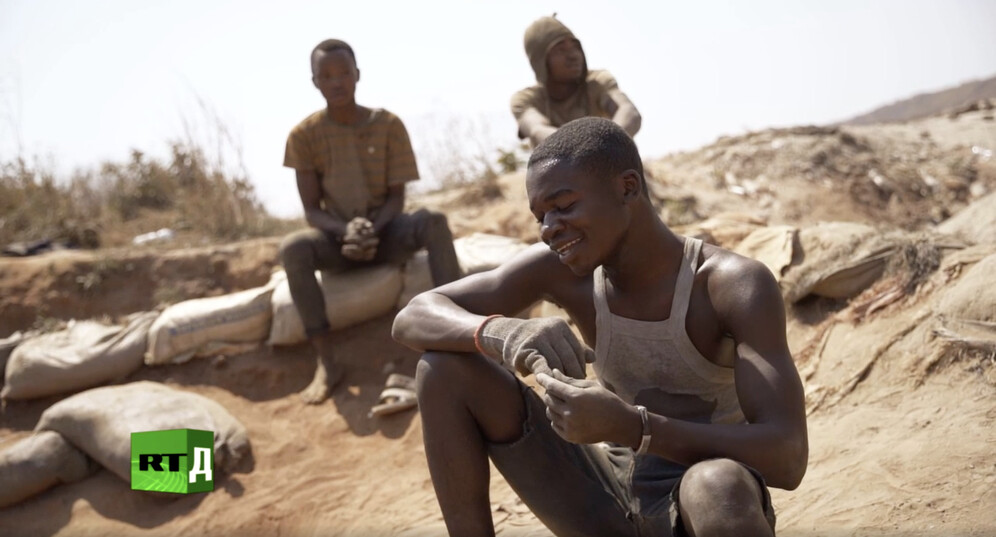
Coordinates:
(398, 395)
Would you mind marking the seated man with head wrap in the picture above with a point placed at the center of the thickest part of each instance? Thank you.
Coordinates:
(567, 90)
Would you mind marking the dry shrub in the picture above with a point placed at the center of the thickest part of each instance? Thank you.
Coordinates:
(201, 189)
(123, 199)
(34, 205)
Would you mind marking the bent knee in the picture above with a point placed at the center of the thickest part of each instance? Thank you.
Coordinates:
(296, 249)
(454, 385)
(719, 480)
(431, 221)
(437, 220)
(438, 368)
(722, 497)
(461, 376)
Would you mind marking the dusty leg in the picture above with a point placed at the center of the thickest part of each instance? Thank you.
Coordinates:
(302, 253)
(435, 235)
(465, 401)
(327, 372)
(720, 497)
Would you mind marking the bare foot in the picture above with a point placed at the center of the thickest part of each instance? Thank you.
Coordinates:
(327, 375)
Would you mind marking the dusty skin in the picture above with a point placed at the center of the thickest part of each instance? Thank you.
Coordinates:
(907, 451)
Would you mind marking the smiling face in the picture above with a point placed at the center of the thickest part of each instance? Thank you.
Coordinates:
(582, 217)
(334, 73)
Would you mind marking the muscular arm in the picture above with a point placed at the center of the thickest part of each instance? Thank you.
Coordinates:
(624, 112)
(774, 440)
(310, 188)
(445, 318)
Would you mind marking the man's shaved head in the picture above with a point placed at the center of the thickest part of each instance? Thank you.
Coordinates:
(596, 145)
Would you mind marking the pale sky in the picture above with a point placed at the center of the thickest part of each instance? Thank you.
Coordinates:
(82, 82)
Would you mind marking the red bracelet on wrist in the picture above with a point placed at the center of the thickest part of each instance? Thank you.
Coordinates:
(477, 333)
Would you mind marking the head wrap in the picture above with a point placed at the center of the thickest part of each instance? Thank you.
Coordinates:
(540, 37)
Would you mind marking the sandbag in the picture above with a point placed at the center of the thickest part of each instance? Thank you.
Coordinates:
(350, 298)
(206, 326)
(38, 463)
(838, 260)
(85, 354)
(479, 252)
(973, 296)
(773, 246)
(975, 223)
(476, 253)
(100, 421)
(7, 346)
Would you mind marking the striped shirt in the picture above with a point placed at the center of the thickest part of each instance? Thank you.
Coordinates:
(355, 163)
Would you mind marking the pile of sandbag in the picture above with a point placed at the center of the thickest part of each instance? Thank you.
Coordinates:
(350, 298)
(96, 426)
(949, 320)
(477, 252)
(229, 323)
(85, 354)
(38, 463)
(7, 346)
(89, 353)
(829, 259)
(360, 295)
(93, 428)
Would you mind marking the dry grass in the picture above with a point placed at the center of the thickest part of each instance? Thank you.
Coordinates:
(115, 201)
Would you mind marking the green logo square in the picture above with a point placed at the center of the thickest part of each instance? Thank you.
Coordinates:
(177, 460)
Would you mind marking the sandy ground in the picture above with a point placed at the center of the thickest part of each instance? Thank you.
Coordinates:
(909, 451)
(887, 460)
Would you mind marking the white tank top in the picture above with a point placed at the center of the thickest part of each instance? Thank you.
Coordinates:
(655, 364)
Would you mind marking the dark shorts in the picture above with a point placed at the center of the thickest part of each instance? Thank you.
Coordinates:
(593, 489)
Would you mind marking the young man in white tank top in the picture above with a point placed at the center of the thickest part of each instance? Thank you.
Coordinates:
(696, 405)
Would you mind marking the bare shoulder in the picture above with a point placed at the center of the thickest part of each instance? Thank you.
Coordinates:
(738, 286)
(724, 266)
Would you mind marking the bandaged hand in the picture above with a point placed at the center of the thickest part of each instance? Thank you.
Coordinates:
(535, 345)
(360, 241)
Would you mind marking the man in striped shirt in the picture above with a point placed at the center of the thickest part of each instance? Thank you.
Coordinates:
(352, 164)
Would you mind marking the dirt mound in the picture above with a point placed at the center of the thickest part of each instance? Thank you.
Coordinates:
(70, 284)
(808, 174)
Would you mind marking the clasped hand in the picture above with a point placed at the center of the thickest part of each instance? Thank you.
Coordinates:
(360, 241)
